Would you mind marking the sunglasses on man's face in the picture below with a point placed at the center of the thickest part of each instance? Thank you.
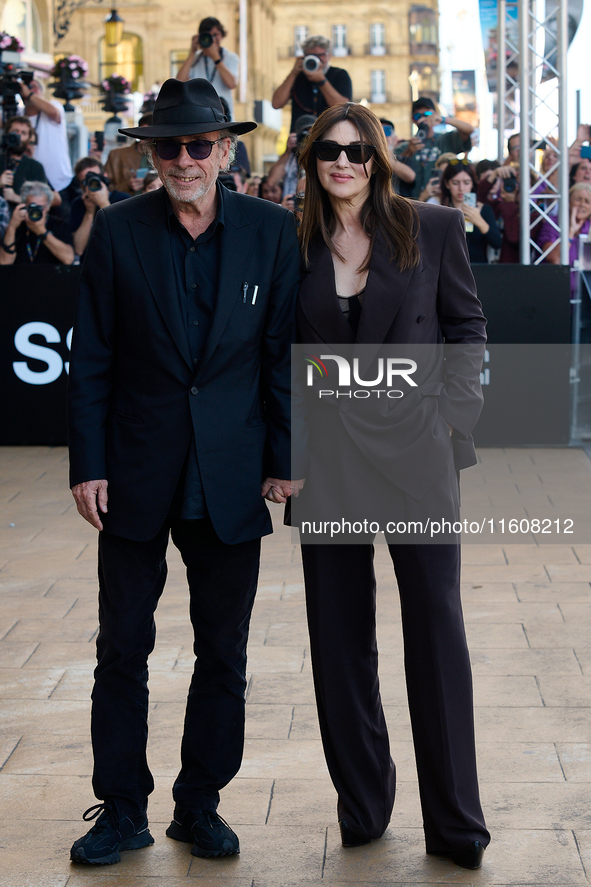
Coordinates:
(198, 149)
(332, 151)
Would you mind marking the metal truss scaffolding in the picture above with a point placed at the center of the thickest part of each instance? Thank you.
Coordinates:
(533, 40)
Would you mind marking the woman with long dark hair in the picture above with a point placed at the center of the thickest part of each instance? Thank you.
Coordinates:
(382, 270)
(459, 179)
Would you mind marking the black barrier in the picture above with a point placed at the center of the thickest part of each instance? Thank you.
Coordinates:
(523, 304)
(37, 310)
(526, 389)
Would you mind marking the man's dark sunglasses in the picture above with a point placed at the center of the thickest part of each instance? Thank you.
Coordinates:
(198, 149)
(332, 151)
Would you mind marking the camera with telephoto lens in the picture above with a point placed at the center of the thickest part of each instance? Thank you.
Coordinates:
(11, 141)
(93, 181)
(11, 79)
(510, 184)
(205, 40)
(35, 212)
(311, 63)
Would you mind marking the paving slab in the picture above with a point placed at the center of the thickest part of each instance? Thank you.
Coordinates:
(528, 621)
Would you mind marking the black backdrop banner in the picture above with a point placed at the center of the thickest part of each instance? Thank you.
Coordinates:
(523, 304)
(37, 310)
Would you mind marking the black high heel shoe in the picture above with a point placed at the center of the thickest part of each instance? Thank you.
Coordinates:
(469, 857)
(349, 838)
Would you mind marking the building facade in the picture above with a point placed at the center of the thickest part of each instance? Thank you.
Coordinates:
(389, 48)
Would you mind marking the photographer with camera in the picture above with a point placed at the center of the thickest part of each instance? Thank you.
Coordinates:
(208, 59)
(15, 166)
(420, 153)
(95, 195)
(286, 170)
(32, 234)
(499, 188)
(312, 84)
(48, 120)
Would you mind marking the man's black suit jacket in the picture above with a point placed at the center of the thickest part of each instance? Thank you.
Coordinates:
(135, 398)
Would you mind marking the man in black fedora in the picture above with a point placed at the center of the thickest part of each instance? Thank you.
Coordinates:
(179, 425)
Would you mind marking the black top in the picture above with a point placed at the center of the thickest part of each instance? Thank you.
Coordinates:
(477, 241)
(79, 209)
(25, 170)
(30, 249)
(307, 98)
(196, 271)
(351, 308)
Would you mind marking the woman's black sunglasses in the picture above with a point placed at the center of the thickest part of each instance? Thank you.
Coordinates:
(198, 149)
(332, 151)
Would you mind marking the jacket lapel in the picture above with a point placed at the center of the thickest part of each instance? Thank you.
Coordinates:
(318, 299)
(385, 291)
(150, 234)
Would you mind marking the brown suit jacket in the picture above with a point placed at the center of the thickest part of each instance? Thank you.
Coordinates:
(121, 164)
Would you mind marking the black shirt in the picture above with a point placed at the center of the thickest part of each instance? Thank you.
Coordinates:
(307, 98)
(25, 170)
(196, 271)
(29, 249)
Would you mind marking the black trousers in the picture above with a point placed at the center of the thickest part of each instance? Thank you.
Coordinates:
(222, 583)
(340, 599)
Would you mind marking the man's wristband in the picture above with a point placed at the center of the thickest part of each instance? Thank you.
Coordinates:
(8, 247)
(43, 237)
(322, 82)
(218, 61)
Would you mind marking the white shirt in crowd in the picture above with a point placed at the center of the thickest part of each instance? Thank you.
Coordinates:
(205, 67)
(52, 148)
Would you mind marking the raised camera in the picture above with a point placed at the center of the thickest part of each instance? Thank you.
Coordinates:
(35, 212)
(11, 141)
(311, 63)
(510, 185)
(422, 130)
(205, 40)
(93, 181)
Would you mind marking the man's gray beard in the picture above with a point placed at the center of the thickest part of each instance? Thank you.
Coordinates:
(183, 196)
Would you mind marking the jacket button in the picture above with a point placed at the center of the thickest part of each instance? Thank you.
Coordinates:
(421, 318)
(194, 391)
(193, 286)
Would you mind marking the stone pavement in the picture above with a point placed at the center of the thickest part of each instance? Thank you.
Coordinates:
(528, 615)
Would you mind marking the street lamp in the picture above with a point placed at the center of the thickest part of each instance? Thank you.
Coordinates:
(113, 28)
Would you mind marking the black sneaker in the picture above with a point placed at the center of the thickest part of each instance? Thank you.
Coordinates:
(209, 834)
(110, 834)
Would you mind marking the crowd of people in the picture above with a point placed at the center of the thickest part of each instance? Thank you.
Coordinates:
(432, 166)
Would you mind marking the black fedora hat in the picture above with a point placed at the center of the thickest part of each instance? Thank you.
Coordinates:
(185, 109)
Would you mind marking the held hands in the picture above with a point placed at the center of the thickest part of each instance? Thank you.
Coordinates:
(88, 496)
(275, 490)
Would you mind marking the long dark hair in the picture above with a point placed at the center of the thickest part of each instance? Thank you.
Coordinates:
(451, 170)
(384, 211)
